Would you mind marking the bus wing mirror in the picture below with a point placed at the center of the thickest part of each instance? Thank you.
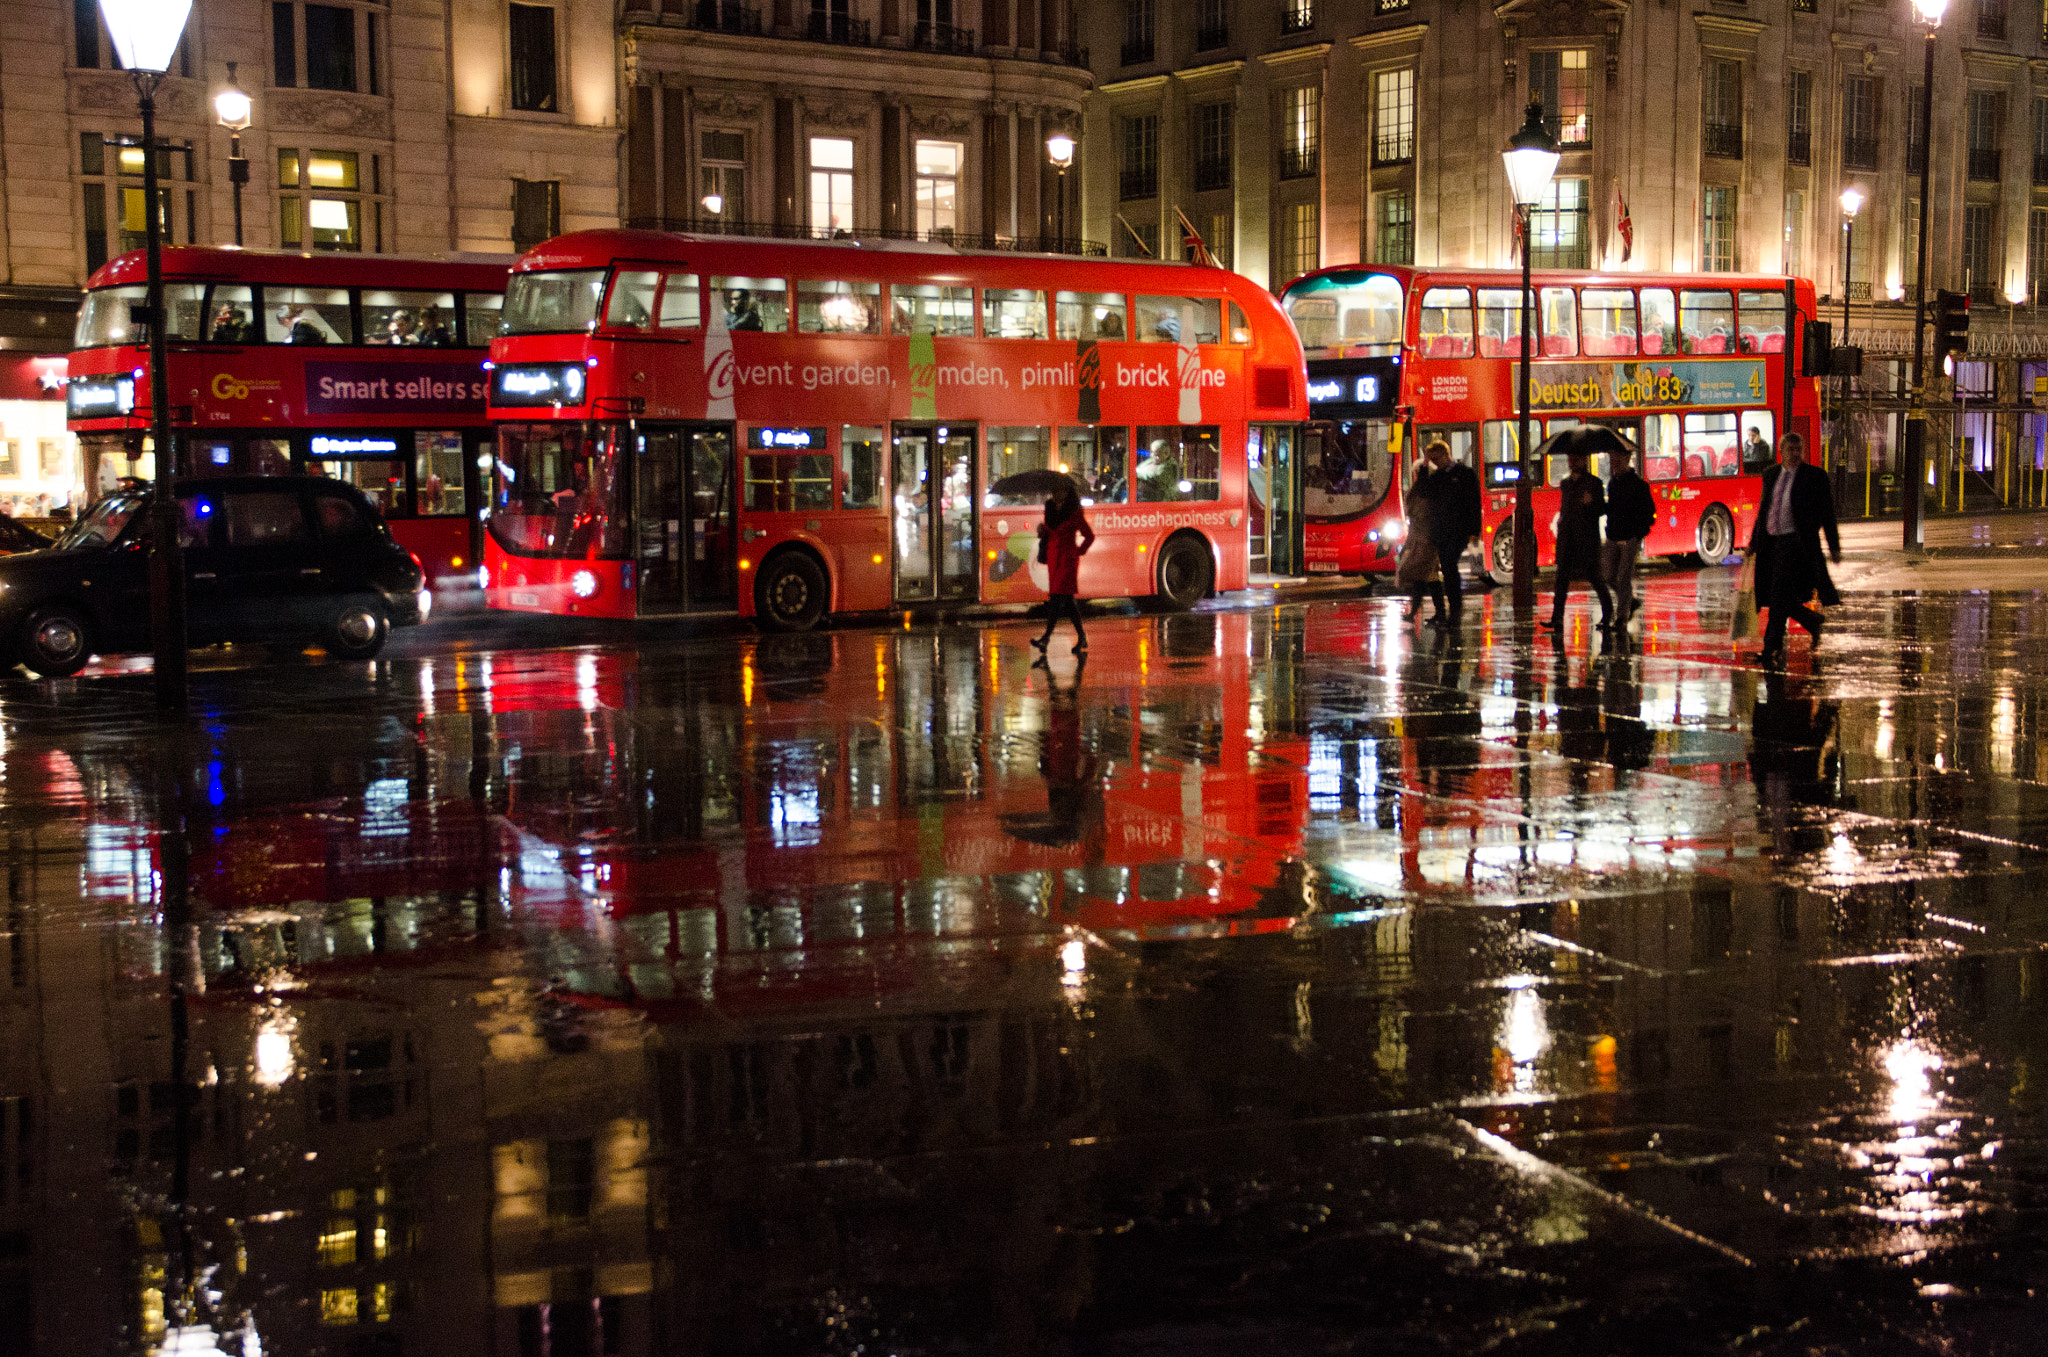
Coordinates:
(1816, 348)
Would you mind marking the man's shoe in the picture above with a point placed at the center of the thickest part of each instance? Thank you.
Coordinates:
(1814, 632)
(1770, 659)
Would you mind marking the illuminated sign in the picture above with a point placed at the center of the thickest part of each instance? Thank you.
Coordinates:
(325, 446)
(1353, 388)
(99, 397)
(787, 440)
(1325, 389)
(538, 384)
(1366, 390)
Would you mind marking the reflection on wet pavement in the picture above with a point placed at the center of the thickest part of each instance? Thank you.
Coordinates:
(1276, 981)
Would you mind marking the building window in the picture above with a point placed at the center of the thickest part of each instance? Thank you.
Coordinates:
(329, 58)
(115, 214)
(1799, 146)
(1991, 19)
(2037, 251)
(1301, 110)
(1297, 16)
(1301, 242)
(1137, 32)
(572, 1175)
(1916, 134)
(1560, 82)
(1212, 28)
(1983, 110)
(1859, 123)
(1717, 230)
(533, 58)
(1795, 221)
(722, 177)
(1721, 108)
(2040, 142)
(1215, 127)
(1862, 249)
(938, 189)
(1219, 238)
(1560, 227)
(1911, 221)
(1980, 262)
(536, 212)
(1394, 228)
(1140, 175)
(1393, 124)
(324, 203)
(1140, 241)
(831, 184)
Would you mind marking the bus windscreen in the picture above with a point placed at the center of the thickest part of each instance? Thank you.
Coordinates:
(1346, 309)
(552, 303)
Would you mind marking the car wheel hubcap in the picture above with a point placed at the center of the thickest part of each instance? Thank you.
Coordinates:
(59, 638)
(357, 628)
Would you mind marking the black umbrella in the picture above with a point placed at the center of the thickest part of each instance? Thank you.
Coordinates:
(1040, 481)
(1591, 439)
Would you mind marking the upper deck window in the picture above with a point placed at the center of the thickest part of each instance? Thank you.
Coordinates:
(307, 315)
(838, 308)
(552, 303)
(1447, 322)
(1609, 321)
(754, 303)
(1660, 320)
(631, 306)
(1500, 322)
(426, 319)
(1089, 315)
(1176, 320)
(105, 320)
(1762, 321)
(1706, 320)
(1559, 309)
(932, 309)
(1012, 313)
(481, 312)
(1348, 308)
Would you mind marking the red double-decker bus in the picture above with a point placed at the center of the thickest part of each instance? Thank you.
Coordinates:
(1701, 373)
(366, 368)
(789, 428)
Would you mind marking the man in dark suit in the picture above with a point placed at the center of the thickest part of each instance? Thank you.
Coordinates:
(1798, 506)
(1631, 513)
(1451, 490)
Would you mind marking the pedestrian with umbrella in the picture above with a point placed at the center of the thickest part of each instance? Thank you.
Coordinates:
(1581, 505)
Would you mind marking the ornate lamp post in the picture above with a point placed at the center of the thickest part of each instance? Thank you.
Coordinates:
(232, 107)
(1059, 148)
(1531, 159)
(1852, 203)
(146, 34)
(1929, 13)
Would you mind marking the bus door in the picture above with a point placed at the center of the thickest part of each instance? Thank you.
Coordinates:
(684, 491)
(933, 493)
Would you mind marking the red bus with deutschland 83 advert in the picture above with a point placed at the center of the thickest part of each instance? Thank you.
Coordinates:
(1701, 373)
(366, 368)
(790, 428)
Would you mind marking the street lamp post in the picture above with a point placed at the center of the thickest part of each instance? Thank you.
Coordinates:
(1531, 159)
(1059, 148)
(232, 106)
(1852, 203)
(146, 34)
(1929, 13)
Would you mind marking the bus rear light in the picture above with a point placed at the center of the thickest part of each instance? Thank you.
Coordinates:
(746, 564)
(583, 584)
(876, 558)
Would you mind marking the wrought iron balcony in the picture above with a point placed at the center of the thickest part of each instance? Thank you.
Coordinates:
(1859, 292)
(1984, 163)
(1799, 149)
(1859, 153)
(1393, 151)
(1389, 6)
(723, 16)
(1212, 174)
(1298, 17)
(1135, 184)
(780, 231)
(942, 38)
(1723, 140)
(840, 28)
(1298, 162)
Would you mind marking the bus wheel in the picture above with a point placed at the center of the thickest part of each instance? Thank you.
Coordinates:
(1716, 536)
(1504, 549)
(789, 593)
(1186, 571)
(56, 642)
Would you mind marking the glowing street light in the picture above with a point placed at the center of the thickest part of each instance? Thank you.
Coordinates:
(1531, 159)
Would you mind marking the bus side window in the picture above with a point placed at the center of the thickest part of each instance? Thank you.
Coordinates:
(1762, 321)
(1710, 445)
(1174, 320)
(860, 463)
(1099, 458)
(1011, 450)
(480, 314)
(408, 318)
(1706, 320)
(680, 308)
(1088, 315)
(1660, 447)
(631, 306)
(931, 309)
(1759, 446)
(753, 303)
(1012, 313)
(1608, 319)
(838, 308)
(437, 470)
(1447, 322)
(1500, 322)
(780, 481)
(1240, 328)
(1660, 321)
(1559, 308)
(1179, 462)
(307, 315)
(231, 317)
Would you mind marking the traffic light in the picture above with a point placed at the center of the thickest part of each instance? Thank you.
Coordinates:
(1951, 322)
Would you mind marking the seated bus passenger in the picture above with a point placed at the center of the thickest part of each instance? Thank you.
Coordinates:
(1111, 326)
(742, 312)
(401, 328)
(434, 331)
(230, 326)
(299, 327)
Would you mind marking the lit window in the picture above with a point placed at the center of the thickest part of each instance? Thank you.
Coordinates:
(832, 184)
(329, 213)
(938, 189)
(1559, 81)
(1393, 140)
(338, 1242)
(338, 1305)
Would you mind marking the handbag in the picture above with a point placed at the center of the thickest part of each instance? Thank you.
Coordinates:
(1742, 625)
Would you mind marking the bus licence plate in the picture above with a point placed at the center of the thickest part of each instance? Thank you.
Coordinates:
(1322, 567)
(525, 598)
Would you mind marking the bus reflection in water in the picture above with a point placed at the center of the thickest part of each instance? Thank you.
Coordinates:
(1700, 373)
(784, 429)
(368, 369)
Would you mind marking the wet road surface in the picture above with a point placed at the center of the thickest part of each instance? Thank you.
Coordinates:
(1278, 981)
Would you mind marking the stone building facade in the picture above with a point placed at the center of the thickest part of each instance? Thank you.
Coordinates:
(1300, 133)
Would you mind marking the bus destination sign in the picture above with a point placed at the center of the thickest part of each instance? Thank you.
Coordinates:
(1353, 388)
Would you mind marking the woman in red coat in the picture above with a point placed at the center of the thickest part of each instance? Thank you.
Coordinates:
(1064, 537)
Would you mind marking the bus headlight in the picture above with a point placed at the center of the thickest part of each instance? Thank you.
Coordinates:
(1393, 530)
(483, 577)
(583, 584)
(426, 602)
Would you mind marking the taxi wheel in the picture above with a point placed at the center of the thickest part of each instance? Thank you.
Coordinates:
(1186, 573)
(789, 593)
(358, 632)
(1504, 549)
(56, 641)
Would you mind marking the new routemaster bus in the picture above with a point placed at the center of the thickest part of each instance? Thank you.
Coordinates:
(366, 368)
(786, 428)
(1699, 372)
